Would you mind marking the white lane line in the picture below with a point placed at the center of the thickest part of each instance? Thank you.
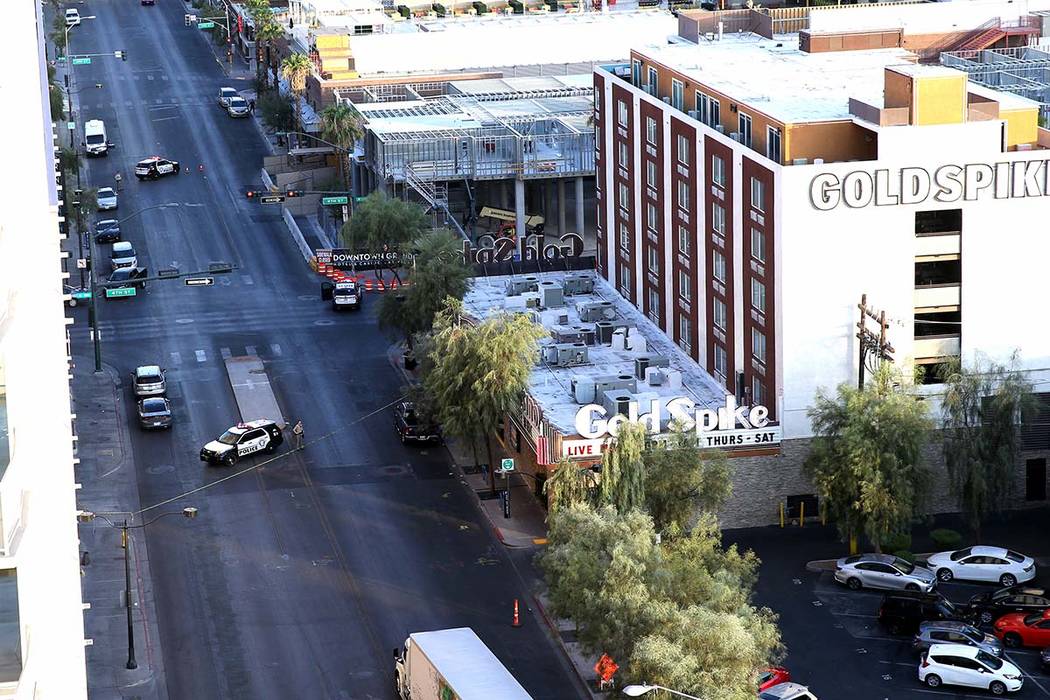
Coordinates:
(276, 349)
(249, 350)
(176, 358)
(225, 352)
(201, 357)
(247, 279)
(163, 119)
(149, 77)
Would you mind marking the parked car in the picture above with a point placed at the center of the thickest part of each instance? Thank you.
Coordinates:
(237, 107)
(902, 612)
(225, 95)
(155, 412)
(883, 571)
(773, 676)
(107, 231)
(412, 427)
(983, 564)
(241, 440)
(153, 167)
(149, 380)
(72, 17)
(990, 606)
(1021, 630)
(956, 664)
(123, 255)
(106, 199)
(787, 691)
(954, 632)
(125, 277)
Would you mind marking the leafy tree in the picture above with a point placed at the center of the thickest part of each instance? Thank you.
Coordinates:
(69, 162)
(567, 485)
(438, 272)
(381, 223)
(295, 69)
(982, 411)
(277, 111)
(866, 460)
(681, 479)
(58, 31)
(267, 29)
(623, 472)
(479, 371)
(58, 108)
(341, 125)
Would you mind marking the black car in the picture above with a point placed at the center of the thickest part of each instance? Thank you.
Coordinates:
(129, 276)
(154, 412)
(412, 427)
(990, 606)
(154, 167)
(901, 613)
(107, 231)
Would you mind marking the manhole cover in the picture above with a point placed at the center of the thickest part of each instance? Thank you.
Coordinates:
(160, 469)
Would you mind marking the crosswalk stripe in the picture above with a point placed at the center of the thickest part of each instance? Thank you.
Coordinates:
(276, 349)
(247, 279)
(226, 354)
(249, 349)
(176, 358)
(201, 357)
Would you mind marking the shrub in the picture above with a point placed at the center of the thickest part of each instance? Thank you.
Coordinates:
(905, 555)
(895, 542)
(946, 538)
(277, 111)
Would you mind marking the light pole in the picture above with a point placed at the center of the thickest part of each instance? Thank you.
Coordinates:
(346, 152)
(86, 517)
(69, 72)
(634, 691)
(93, 307)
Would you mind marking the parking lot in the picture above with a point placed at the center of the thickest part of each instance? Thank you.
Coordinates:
(834, 642)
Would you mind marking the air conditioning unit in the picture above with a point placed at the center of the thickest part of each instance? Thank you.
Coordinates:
(674, 378)
(636, 342)
(568, 334)
(667, 100)
(617, 402)
(551, 294)
(519, 285)
(654, 376)
(571, 354)
(590, 334)
(591, 311)
(692, 113)
(549, 354)
(644, 362)
(583, 390)
(532, 300)
(614, 382)
(603, 332)
(735, 136)
(578, 284)
(720, 129)
(818, 161)
(619, 339)
(800, 161)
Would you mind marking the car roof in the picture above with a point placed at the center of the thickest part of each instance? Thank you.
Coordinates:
(943, 625)
(154, 399)
(122, 245)
(784, 690)
(106, 222)
(236, 97)
(244, 427)
(105, 190)
(228, 89)
(881, 558)
(147, 369)
(955, 650)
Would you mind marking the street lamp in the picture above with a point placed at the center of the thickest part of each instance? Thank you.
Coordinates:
(634, 691)
(69, 63)
(86, 516)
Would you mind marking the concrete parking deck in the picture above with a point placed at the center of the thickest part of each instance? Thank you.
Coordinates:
(251, 388)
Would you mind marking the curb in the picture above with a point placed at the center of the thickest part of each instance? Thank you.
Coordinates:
(561, 644)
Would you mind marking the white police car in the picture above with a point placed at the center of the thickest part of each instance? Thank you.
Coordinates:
(243, 439)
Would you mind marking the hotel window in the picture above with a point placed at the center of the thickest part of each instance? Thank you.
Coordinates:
(758, 194)
(636, 73)
(621, 112)
(758, 392)
(758, 295)
(721, 365)
(718, 171)
(650, 173)
(597, 135)
(716, 114)
(719, 313)
(654, 260)
(684, 286)
(683, 240)
(773, 144)
(625, 279)
(654, 305)
(621, 154)
(744, 123)
(677, 94)
(650, 130)
(683, 194)
(718, 266)
(625, 196)
(685, 333)
(683, 149)
(758, 245)
(758, 345)
(10, 630)
(653, 81)
(702, 106)
(625, 236)
(650, 215)
(718, 218)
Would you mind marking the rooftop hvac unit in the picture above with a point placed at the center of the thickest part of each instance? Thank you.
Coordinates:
(596, 311)
(590, 335)
(533, 281)
(614, 382)
(720, 129)
(551, 294)
(818, 161)
(583, 390)
(667, 100)
(519, 285)
(644, 362)
(636, 342)
(571, 354)
(603, 332)
(549, 354)
(692, 114)
(532, 300)
(567, 334)
(578, 284)
(735, 136)
(617, 402)
(619, 339)
(654, 376)
(800, 161)
(674, 378)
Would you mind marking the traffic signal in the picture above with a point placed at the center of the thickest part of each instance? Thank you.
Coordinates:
(250, 194)
(294, 193)
(122, 55)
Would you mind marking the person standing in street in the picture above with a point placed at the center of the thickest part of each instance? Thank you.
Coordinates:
(120, 181)
(251, 106)
(297, 431)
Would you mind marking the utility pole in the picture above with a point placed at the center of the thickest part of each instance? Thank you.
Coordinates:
(873, 347)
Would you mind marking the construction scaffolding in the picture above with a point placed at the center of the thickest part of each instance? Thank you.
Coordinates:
(1023, 71)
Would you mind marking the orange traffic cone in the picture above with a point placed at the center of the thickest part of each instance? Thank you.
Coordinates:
(517, 618)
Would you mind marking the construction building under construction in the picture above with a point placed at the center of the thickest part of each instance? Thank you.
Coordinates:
(1023, 70)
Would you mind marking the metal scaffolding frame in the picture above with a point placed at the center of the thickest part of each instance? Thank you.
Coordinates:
(1023, 70)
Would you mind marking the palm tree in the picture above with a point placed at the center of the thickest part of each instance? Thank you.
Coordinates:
(341, 126)
(294, 69)
(267, 29)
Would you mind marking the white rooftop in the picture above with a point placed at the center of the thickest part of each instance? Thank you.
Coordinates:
(341, 7)
(516, 40)
(551, 386)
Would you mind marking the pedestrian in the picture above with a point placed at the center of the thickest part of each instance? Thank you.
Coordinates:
(251, 106)
(120, 180)
(297, 431)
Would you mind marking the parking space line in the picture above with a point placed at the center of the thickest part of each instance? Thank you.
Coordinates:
(952, 693)
(176, 358)
(201, 357)
(225, 352)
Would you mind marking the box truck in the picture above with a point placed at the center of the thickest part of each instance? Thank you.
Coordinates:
(452, 664)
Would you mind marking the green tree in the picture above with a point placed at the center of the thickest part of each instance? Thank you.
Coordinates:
(681, 479)
(277, 111)
(295, 69)
(340, 125)
(267, 30)
(623, 473)
(866, 460)
(69, 162)
(439, 272)
(478, 372)
(381, 223)
(568, 484)
(58, 31)
(58, 108)
(982, 411)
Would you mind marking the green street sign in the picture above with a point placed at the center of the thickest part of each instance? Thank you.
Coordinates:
(335, 200)
(81, 295)
(120, 292)
(359, 199)
(82, 61)
(506, 465)
(71, 125)
(206, 25)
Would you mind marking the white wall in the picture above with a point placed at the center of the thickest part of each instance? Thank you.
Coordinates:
(924, 18)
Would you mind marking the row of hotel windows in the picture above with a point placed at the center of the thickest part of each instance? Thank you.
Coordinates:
(758, 254)
(718, 177)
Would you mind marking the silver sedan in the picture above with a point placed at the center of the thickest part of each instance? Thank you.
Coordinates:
(883, 571)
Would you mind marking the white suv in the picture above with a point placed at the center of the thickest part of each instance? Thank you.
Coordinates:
(72, 17)
(958, 664)
(787, 691)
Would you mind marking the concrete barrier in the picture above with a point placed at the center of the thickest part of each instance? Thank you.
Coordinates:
(251, 389)
(297, 235)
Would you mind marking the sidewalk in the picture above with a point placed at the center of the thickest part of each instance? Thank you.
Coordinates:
(107, 476)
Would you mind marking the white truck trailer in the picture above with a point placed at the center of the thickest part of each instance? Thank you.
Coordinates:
(452, 665)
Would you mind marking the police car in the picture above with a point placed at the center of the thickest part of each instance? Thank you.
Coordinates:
(153, 167)
(243, 439)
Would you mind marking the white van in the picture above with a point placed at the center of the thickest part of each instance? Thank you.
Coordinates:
(72, 17)
(95, 137)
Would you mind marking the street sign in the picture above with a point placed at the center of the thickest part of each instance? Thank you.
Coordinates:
(343, 199)
(71, 125)
(81, 263)
(81, 295)
(200, 281)
(120, 292)
(272, 199)
(206, 25)
(506, 465)
(82, 61)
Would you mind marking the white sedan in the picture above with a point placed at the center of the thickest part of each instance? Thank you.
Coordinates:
(994, 564)
(106, 199)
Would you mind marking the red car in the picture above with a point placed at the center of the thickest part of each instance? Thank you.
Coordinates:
(772, 676)
(1024, 630)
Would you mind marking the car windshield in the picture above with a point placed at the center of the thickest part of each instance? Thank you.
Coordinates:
(107, 224)
(237, 102)
(229, 438)
(1030, 620)
(148, 379)
(154, 406)
(105, 192)
(956, 556)
(1014, 556)
(345, 292)
(989, 661)
(903, 566)
(95, 138)
(123, 253)
(121, 275)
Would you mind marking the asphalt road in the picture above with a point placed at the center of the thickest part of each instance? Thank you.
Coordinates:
(298, 579)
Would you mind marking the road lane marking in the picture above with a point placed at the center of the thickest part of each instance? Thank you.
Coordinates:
(225, 352)
(149, 77)
(247, 279)
(276, 349)
(249, 349)
(176, 358)
(163, 119)
(201, 357)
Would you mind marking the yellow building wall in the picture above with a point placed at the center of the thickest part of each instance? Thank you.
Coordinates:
(1022, 126)
(940, 100)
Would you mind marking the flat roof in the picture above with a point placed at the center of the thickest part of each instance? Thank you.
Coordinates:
(777, 78)
(516, 40)
(551, 386)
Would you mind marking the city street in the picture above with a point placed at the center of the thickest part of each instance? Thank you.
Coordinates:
(296, 580)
